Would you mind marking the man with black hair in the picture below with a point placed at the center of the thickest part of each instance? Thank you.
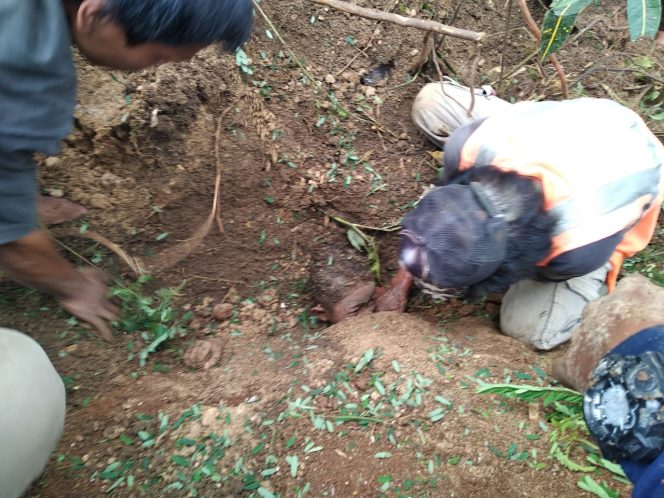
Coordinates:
(543, 200)
(37, 98)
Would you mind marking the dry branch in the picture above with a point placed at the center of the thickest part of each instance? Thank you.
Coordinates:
(409, 22)
(534, 29)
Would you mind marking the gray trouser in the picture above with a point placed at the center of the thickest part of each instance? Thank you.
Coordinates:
(32, 411)
(541, 314)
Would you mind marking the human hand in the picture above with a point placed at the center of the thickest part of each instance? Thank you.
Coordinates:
(353, 303)
(395, 297)
(88, 300)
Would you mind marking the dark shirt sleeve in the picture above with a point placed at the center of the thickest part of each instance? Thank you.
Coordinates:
(37, 97)
(453, 148)
(37, 78)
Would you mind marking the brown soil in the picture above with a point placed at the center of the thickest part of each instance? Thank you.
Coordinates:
(142, 160)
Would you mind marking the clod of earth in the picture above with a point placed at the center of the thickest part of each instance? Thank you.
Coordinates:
(204, 354)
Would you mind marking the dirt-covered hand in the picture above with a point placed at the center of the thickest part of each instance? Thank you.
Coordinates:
(395, 298)
(353, 303)
(89, 302)
(205, 354)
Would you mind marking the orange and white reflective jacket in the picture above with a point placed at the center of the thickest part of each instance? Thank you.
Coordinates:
(599, 167)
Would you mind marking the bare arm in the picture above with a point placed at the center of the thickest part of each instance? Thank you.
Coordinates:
(34, 262)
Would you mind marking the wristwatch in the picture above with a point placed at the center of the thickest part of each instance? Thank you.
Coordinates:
(624, 406)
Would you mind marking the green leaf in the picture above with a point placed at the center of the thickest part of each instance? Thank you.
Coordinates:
(556, 29)
(570, 464)
(270, 471)
(643, 18)
(264, 493)
(569, 7)
(125, 439)
(587, 483)
(367, 357)
(356, 240)
(180, 460)
(383, 454)
(294, 463)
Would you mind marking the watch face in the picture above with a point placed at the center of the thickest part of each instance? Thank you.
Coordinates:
(624, 407)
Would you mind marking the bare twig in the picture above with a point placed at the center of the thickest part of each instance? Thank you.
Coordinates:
(504, 50)
(471, 78)
(450, 20)
(441, 77)
(518, 67)
(424, 54)
(422, 24)
(317, 84)
(136, 265)
(216, 204)
(535, 31)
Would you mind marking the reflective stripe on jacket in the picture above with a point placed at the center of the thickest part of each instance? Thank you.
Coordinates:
(599, 167)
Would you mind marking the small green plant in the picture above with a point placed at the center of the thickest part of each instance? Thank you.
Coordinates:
(362, 242)
(648, 263)
(243, 61)
(568, 432)
(642, 16)
(154, 317)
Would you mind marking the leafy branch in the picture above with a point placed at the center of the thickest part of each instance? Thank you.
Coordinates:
(362, 242)
(569, 430)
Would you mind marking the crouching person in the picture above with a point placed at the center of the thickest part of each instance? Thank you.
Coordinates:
(543, 200)
(32, 397)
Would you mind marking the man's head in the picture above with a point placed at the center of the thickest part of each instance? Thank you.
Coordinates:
(482, 234)
(453, 238)
(135, 34)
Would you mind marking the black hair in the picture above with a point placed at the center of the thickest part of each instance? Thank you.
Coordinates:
(183, 22)
(529, 225)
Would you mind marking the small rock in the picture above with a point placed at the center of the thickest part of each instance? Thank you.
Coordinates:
(204, 354)
(113, 432)
(209, 417)
(222, 311)
(232, 296)
(100, 201)
(56, 192)
(414, 52)
(51, 161)
(330, 79)
(370, 91)
(71, 348)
